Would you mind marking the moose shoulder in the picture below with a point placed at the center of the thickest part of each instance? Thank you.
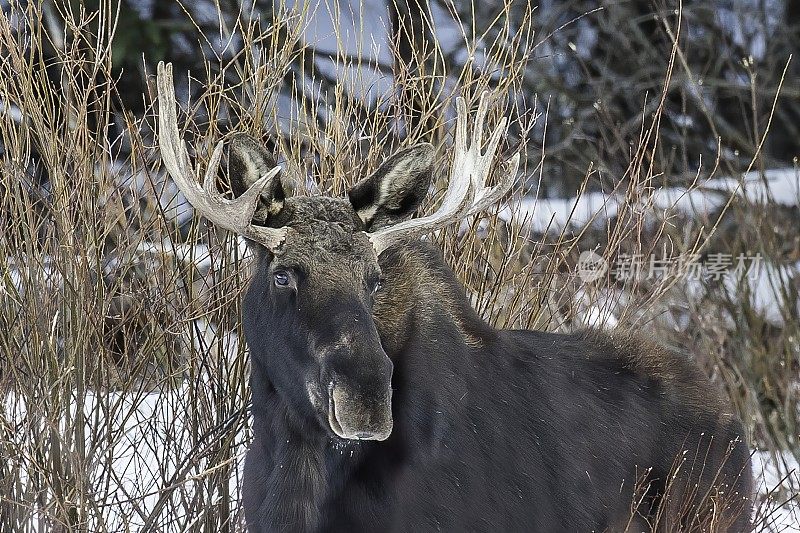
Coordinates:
(382, 402)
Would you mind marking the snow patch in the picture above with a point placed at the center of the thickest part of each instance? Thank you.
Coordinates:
(777, 480)
(143, 452)
(553, 215)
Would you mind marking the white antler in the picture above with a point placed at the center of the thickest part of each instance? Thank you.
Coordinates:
(234, 215)
(467, 192)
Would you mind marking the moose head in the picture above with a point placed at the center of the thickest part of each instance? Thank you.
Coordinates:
(308, 313)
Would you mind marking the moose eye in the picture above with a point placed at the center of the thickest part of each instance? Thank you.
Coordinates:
(377, 285)
(281, 278)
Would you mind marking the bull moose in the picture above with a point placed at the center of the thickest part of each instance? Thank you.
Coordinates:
(381, 401)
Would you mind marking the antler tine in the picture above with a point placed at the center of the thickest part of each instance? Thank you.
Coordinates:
(233, 215)
(466, 192)
(488, 196)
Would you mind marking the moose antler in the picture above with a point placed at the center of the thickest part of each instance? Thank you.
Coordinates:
(467, 192)
(233, 215)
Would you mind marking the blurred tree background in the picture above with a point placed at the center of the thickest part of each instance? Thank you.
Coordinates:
(592, 68)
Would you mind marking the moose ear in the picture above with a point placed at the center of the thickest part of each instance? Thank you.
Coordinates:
(394, 191)
(248, 161)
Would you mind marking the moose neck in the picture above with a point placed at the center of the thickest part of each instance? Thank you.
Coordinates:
(423, 301)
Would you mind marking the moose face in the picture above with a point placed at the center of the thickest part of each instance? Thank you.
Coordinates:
(308, 312)
(313, 332)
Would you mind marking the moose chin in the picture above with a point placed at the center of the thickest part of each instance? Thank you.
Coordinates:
(383, 402)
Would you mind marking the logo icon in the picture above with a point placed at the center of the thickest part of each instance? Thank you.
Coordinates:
(591, 266)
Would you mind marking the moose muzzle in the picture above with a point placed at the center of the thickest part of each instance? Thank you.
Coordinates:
(359, 396)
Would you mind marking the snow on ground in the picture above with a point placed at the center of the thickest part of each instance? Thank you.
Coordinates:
(770, 289)
(766, 290)
(766, 287)
(688, 201)
(553, 215)
(142, 449)
(598, 309)
(777, 479)
(781, 186)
